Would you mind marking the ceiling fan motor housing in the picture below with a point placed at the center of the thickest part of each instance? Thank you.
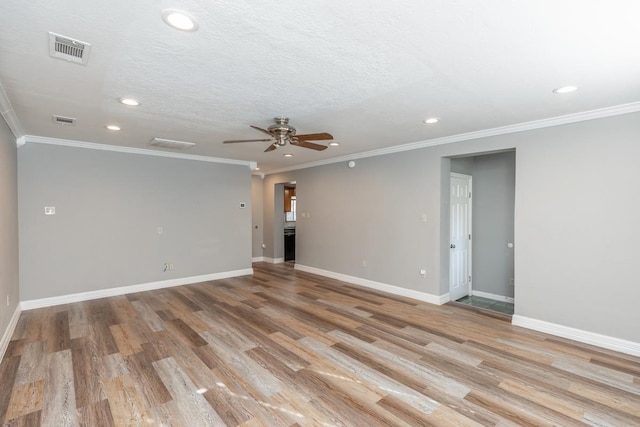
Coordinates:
(281, 130)
(282, 127)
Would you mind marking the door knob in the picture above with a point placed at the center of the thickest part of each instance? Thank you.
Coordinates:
(453, 246)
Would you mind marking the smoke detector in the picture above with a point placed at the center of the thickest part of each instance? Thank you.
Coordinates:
(69, 49)
(169, 143)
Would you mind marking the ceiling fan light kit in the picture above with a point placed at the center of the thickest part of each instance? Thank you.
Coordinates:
(281, 133)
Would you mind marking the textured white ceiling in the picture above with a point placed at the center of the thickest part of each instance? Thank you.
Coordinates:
(368, 72)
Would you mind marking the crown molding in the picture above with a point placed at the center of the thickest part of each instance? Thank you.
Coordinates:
(9, 116)
(632, 107)
(130, 150)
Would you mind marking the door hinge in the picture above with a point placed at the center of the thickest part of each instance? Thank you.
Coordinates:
(469, 236)
(469, 194)
(469, 279)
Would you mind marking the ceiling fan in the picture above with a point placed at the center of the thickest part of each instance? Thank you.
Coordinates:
(282, 132)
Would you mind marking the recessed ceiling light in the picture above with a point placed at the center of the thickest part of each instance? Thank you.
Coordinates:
(288, 155)
(179, 20)
(113, 127)
(334, 144)
(565, 89)
(129, 101)
(432, 120)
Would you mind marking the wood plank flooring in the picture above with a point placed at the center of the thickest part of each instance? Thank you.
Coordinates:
(286, 348)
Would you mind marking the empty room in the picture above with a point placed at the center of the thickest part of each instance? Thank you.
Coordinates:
(319, 213)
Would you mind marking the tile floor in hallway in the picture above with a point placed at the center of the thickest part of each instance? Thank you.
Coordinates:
(487, 303)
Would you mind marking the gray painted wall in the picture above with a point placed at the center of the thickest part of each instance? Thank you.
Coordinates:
(257, 190)
(494, 178)
(273, 218)
(8, 226)
(109, 206)
(576, 226)
(575, 209)
(371, 212)
(462, 165)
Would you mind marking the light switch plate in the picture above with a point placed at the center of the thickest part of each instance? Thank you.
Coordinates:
(49, 210)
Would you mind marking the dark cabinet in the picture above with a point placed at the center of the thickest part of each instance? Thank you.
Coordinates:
(290, 244)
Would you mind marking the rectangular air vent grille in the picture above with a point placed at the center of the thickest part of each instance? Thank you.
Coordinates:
(169, 143)
(69, 49)
(62, 120)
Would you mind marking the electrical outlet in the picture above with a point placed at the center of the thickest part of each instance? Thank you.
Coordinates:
(170, 266)
(364, 263)
(8, 301)
(423, 272)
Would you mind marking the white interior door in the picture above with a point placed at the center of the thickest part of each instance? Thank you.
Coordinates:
(460, 241)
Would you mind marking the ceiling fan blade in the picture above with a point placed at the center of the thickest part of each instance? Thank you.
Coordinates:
(271, 147)
(311, 145)
(260, 129)
(231, 141)
(314, 136)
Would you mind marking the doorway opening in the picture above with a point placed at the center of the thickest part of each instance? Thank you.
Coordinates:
(481, 231)
(284, 222)
(290, 205)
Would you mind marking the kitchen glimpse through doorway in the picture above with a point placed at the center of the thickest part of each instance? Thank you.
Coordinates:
(290, 207)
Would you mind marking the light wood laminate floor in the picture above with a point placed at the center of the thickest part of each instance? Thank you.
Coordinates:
(285, 348)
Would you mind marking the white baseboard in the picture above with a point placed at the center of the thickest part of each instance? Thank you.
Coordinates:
(273, 260)
(257, 259)
(444, 298)
(392, 289)
(122, 290)
(605, 341)
(8, 333)
(492, 296)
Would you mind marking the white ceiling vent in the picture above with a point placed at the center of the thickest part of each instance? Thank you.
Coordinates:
(69, 49)
(169, 143)
(62, 120)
